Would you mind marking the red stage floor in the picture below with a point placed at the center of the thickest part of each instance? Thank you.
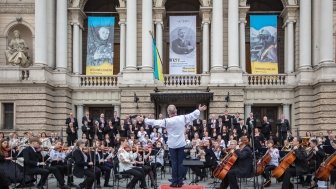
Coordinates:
(166, 186)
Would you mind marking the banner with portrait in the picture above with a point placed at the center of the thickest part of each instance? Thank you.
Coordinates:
(100, 41)
(182, 49)
(263, 43)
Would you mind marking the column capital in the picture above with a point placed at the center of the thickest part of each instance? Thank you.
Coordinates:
(122, 14)
(77, 16)
(242, 12)
(158, 14)
(205, 13)
(290, 13)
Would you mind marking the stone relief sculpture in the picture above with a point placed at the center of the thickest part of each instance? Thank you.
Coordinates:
(122, 3)
(17, 52)
(205, 3)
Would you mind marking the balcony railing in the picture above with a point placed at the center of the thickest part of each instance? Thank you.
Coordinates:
(98, 81)
(266, 80)
(182, 80)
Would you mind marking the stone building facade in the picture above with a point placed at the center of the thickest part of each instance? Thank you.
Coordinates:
(42, 95)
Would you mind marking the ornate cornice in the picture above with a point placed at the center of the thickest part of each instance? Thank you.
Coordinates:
(20, 8)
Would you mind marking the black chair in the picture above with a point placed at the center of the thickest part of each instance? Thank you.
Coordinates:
(119, 176)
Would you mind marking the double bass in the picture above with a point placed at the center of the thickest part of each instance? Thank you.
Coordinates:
(284, 164)
(225, 165)
(263, 162)
(323, 172)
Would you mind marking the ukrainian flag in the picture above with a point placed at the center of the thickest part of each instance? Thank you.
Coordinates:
(158, 74)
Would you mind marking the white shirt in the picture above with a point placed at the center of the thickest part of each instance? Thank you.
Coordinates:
(175, 127)
(275, 157)
(126, 160)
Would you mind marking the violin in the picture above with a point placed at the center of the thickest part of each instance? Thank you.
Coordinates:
(61, 149)
(323, 172)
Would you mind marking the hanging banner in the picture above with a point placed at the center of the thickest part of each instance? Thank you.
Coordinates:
(263, 42)
(99, 60)
(182, 50)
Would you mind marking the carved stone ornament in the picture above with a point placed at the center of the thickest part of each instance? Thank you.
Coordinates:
(205, 3)
(17, 51)
(242, 3)
(122, 3)
(289, 2)
(78, 3)
(159, 3)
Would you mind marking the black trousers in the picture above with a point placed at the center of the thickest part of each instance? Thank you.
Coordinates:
(64, 169)
(333, 176)
(230, 180)
(90, 176)
(267, 171)
(107, 173)
(39, 171)
(56, 171)
(138, 175)
(290, 172)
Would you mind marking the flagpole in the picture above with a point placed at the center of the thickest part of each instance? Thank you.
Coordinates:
(151, 33)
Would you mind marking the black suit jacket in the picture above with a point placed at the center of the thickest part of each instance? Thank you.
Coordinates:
(301, 163)
(283, 127)
(85, 118)
(251, 124)
(244, 164)
(31, 158)
(115, 121)
(75, 124)
(80, 163)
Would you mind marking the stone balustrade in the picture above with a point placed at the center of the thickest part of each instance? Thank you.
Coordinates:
(182, 80)
(98, 81)
(266, 80)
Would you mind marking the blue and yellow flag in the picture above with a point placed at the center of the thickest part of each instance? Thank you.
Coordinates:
(158, 74)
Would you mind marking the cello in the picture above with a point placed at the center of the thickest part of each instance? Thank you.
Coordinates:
(284, 164)
(323, 172)
(263, 162)
(223, 168)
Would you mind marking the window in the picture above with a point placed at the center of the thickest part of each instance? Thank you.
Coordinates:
(8, 115)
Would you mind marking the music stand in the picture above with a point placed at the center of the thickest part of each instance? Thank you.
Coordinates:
(192, 163)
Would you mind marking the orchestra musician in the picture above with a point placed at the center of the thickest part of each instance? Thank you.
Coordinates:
(82, 164)
(274, 152)
(300, 164)
(57, 158)
(316, 156)
(126, 165)
(72, 134)
(333, 172)
(243, 166)
(34, 164)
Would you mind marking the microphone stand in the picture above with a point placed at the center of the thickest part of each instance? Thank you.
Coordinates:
(255, 178)
(94, 158)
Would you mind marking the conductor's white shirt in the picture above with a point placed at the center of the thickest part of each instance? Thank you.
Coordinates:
(175, 127)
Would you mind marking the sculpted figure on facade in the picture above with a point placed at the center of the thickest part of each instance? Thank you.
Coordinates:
(17, 52)
(205, 3)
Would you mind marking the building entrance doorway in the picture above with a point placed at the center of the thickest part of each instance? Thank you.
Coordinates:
(96, 111)
(270, 111)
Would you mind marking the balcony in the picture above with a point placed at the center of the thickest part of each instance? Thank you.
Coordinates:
(98, 81)
(182, 80)
(266, 80)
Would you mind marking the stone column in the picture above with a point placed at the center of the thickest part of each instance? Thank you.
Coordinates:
(61, 35)
(289, 15)
(75, 49)
(233, 35)
(217, 35)
(122, 22)
(242, 48)
(131, 35)
(51, 22)
(290, 47)
(117, 109)
(316, 32)
(326, 32)
(158, 37)
(205, 47)
(305, 34)
(205, 12)
(248, 109)
(122, 46)
(285, 111)
(80, 114)
(147, 19)
(41, 32)
(80, 51)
